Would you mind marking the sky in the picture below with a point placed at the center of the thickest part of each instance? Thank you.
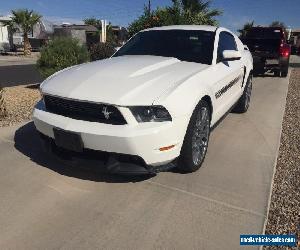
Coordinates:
(122, 12)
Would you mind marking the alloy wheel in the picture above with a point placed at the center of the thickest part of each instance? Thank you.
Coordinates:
(248, 92)
(200, 135)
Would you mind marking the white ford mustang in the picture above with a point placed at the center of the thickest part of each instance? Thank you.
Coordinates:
(153, 101)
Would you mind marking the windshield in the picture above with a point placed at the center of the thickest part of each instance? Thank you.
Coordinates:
(185, 45)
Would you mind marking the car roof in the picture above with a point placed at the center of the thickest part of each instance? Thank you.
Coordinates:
(185, 27)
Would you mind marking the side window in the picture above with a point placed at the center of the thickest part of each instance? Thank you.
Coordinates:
(226, 42)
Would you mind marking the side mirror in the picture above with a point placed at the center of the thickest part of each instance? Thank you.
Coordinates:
(231, 55)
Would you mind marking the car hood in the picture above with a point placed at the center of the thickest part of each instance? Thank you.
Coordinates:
(124, 81)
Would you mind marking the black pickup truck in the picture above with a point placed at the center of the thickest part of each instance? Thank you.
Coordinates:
(269, 49)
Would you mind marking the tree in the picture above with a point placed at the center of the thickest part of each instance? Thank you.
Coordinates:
(2, 104)
(196, 7)
(93, 21)
(111, 38)
(180, 12)
(25, 19)
(247, 26)
(278, 24)
(281, 25)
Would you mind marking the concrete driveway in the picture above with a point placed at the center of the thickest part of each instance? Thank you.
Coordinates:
(45, 204)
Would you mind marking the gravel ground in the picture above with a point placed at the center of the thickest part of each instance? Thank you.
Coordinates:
(19, 102)
(284, 213)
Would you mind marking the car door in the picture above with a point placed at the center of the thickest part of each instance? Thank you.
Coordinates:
(229, 75)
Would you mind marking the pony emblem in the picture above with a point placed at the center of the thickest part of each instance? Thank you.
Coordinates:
(106, 113)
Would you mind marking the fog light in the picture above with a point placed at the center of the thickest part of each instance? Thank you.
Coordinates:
(167, 148)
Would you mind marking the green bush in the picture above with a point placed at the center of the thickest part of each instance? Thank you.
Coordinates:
(59, 54)
(101, 51)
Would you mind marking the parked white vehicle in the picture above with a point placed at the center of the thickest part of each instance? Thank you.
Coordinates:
(156, 99)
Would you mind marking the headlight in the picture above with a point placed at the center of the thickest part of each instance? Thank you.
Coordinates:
(151, 114)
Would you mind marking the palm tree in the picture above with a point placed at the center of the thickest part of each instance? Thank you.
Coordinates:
(2, 106)
(25, 19)
(180, 12)
(199, 12)
(247, 26)
(195, 6)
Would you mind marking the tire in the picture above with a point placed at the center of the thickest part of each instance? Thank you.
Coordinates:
(277, 73)
(244, 101)
(284, 72)
(196, 139)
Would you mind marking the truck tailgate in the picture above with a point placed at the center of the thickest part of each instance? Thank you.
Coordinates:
(268, 48)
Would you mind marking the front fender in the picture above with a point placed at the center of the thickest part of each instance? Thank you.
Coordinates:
(181, 99)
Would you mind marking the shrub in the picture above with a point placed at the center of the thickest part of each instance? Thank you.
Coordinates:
(59, 54)
(2, 104)
(101, 51)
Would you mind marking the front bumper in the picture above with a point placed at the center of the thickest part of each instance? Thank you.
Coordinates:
(103, 161)
(138, 139)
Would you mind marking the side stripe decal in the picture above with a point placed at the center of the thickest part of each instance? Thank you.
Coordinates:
(227, 87)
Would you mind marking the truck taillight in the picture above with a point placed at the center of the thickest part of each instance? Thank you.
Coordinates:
(284, 50)
(281, 43)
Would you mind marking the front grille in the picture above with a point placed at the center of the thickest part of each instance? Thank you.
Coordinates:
(85, 111)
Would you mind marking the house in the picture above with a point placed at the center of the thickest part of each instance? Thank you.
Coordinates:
(295, 40)
(295, 36)
(10, 41)
(85, 34)
(4, 34)
(89, 34)
(38, 36)
(120, 33)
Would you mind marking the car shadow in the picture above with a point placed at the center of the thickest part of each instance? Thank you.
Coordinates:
(27, 142)
(265, 74)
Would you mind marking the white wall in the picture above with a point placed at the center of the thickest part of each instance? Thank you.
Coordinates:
(4, 40)
(3, 33)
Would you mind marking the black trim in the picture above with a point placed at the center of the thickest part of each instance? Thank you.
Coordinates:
(84, 110)
(106, 162)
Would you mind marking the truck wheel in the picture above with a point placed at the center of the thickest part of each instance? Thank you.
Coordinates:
(244, 101)
(284, 72)
(195, 143)
(277, 72)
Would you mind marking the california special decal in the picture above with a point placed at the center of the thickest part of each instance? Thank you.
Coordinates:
(228, 86)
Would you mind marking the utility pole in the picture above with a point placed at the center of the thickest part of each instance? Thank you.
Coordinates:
(103, 31)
